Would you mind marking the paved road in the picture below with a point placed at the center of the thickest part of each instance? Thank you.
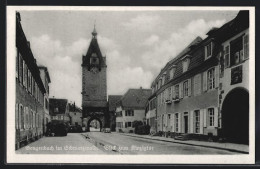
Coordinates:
(73, 143)
(130, 145)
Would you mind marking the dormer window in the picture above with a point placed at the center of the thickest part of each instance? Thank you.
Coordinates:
(208, 50)
(185, 63)
(172, 71)
(94, 59)
(163, 78)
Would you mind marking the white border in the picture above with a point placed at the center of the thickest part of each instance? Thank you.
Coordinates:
(12, 157)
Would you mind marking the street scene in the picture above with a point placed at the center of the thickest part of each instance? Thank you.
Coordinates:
(126, 83)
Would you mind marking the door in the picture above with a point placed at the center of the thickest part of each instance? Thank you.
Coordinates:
(185, 124)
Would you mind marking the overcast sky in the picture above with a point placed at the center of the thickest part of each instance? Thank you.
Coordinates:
(137, 44)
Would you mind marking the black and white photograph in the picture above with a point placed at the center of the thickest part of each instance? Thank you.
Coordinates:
(142, 84)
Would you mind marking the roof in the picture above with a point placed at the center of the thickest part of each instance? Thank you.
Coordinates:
(195, 42)
(61, 104)
(23, 46)
(112, 100)
(135, 98)
(74, 108)
(46, 72)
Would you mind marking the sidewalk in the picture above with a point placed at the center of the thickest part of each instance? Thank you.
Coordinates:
(240, 148)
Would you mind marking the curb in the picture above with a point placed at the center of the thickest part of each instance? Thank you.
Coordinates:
(198, 145)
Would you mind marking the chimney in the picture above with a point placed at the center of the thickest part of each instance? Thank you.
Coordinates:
(141, 87)
(28, 43)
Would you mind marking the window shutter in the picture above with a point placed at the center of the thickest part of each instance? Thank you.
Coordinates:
(205, 117)
(16, 116)
(173, 122)
(201, 121)
(179, 122)
(215, 117)
(246, 46)
(191, 122)
(205, 81)
(24, 117)
(181, 90)
(189, 87)
(216, 76)
(173, 92)
(205, 52)
(17, 63)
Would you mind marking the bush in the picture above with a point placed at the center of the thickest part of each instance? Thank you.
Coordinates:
(144, 129)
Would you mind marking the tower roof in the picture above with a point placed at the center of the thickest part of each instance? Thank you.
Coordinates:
(94, 33)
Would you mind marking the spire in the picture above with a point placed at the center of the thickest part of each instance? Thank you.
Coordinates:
(94, 33)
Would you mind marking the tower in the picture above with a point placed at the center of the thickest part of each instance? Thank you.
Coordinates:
(94, 84)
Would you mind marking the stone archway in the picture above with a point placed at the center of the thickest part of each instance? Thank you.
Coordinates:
(89, 119)
(235, 116)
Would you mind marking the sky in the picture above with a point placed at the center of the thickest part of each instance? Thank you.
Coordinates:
(137, 44)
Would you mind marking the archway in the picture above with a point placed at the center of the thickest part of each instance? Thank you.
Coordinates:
(235, 116)
(94, 124)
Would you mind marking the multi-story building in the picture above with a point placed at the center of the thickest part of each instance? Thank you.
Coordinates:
(45, 77)
(75, 114)
(191, 88)
(59, 110)
(112, 100)
(30, 90)
(234, 78)
(130, 108)
(151, 113)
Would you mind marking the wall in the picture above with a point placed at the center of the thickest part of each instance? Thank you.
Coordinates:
(139, 115)
(27, 100)
(76, 118)
(94, 88)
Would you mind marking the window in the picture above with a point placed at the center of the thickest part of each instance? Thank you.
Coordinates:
(24, 75)
(129, 113)
(185, 64)
(246, 46)
(119, 124)
(163, 78)
(211, 116)
(128, 124)
(236, 51)
(211, 78)
(176, 122)
(172, 72)
(226, 56)
(20, 68)
(208, 50)
(119, 114)
(177, 92)
(94, 59)
(169, 93)
(185, 88)
(197, 121)
(21, 117)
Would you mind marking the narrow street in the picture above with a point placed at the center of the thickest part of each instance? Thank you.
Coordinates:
(110, 143)
(131, 145)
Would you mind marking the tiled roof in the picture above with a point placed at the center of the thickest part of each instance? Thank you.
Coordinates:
(112, 100)
(135, 98)
(61, 104)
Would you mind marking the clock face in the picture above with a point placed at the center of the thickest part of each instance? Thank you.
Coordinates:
(94, 69)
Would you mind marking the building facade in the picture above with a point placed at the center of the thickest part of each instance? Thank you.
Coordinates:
(75, 115)
(192, 89)
(94, 85)
(59, 110)
(130, 108)
(30, 91)
(151, 113)
(45, 77)
(234, 79)
(112, 100)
